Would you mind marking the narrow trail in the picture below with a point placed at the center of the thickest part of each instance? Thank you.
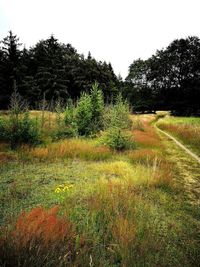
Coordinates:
(181, 145)
(187, 163)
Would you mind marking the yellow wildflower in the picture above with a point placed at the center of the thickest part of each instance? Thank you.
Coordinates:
(66, 188)
(58, 190)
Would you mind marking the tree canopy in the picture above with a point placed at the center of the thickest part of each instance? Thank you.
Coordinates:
(170, 79)
(50, 69)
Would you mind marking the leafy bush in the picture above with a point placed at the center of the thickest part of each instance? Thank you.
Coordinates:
(70, 113)
(19, 128)
(118, 139)
(89, 112)
(97, 105)
(3, 130)
(117, 115)
(20, 131)
(66, 123)
(84, 114)
(66, 131)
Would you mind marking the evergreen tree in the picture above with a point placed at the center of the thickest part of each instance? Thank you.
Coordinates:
(10, 67)
(52, 69)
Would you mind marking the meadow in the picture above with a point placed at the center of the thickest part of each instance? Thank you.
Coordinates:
(186, 129)
(112, 198)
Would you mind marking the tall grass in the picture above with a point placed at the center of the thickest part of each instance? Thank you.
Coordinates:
(71, 148)
(144, 133)
(123, 225)
(38, 238)
(187, 130)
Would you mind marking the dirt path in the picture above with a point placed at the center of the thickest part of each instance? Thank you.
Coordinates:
(187, 163)
(181, 145)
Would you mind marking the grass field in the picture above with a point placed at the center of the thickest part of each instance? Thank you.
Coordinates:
(76, 202)
(185, 129)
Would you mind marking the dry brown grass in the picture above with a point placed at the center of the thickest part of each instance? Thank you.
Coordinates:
(7, 156)
(3, 147)
(147, 137)
(188, 133)
(144, 156)
(162, 174)
(72, 148)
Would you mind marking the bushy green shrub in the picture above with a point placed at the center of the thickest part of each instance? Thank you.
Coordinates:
(97, 105)
(3, 130)
(117, 122)
(89, 112)
(84, 114)
(19, 128)
(117, 115)
(20, 131)
(66, 126)
(66, 131)
(118, 139)
(70, 113)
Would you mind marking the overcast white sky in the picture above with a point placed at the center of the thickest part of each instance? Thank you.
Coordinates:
(118, 31)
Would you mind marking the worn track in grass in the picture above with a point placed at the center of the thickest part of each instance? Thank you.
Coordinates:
(181, 145)
(187, 163)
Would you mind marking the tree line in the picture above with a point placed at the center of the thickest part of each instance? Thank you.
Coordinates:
(169, 80)
(50, 70)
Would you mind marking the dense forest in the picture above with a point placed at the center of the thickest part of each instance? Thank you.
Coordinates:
(168, 80)
(51, 70)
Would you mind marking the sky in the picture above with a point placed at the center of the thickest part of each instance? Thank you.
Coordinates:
(117, 31)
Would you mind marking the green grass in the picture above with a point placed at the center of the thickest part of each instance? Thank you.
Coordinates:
(191, 121)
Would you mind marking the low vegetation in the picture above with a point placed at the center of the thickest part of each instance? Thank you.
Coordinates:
(104, 195)
(186, 130)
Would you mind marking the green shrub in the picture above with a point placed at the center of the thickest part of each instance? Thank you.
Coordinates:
(19, 128)
(59, 113)
(24, 131)
(67, 131)
(84, 114)
(118, 139)
(89, 112)
(66, 126)
(97, 105)
(70, 113)
(3, 130)
(117, 115)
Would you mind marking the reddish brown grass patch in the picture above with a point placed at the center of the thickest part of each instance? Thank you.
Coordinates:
(6, 156)
(147, 138)
(39, 235)
(72, 149)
